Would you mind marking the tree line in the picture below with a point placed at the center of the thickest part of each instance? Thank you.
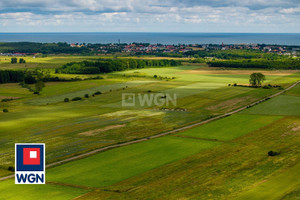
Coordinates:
(44, 48)
(111, 65)
(11, 76)
(262, 64)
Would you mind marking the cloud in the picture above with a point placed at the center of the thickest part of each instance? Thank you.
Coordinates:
(155, 15)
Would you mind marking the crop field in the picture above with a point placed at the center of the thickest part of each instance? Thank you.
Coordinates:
(223, 159)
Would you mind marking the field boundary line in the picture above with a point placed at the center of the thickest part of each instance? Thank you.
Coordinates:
(161, 134)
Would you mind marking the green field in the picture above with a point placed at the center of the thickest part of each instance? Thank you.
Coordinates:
(118, 164)
(223, 159)
(28, 192)
(277, 187)
(230, 127)
(282, 105)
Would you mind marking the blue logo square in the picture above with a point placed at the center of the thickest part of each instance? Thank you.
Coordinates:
(20, 162)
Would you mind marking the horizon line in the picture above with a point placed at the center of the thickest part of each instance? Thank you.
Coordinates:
(156, 32)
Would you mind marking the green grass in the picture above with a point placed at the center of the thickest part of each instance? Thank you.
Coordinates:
(102, 87)
(294, 91)
(276, 187)
(230, 127)
(169, 167)
(204, 78)
(118, 164)
(223, 172)
(281, 105)
(10, 191)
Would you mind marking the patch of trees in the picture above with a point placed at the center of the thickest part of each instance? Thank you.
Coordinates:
(45, 48)
(11, 76)
(15, 60)
(111, 65)
(262, 64)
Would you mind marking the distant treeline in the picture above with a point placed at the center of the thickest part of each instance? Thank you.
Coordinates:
(221, 54)
(232, 54)
(262, 63)
(44, 48)
(11, 76)
(111, 65)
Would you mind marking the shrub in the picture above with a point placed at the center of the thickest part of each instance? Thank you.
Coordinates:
(229, 84)
(234, 84)
(6, 100)
(66, 100)
(86, 96)
(267, 87)
(155, 76)
(5, 110)
(76, 99)
(273, 153)
(11, 168)
(97, 93)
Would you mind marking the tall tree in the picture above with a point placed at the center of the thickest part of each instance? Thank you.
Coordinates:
(256, 79)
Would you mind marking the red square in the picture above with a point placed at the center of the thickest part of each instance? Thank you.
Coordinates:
(31, 156)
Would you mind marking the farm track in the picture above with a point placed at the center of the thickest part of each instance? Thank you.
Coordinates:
(161, 134)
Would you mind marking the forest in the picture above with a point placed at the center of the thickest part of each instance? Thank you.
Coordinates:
(111, 65)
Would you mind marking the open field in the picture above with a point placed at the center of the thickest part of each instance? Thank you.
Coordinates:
(230, 127)
(239, 71)
(228, 171)
(224, 159)
(57, 61)
(277, 187)
(124, 162)
(283, 105)
(28, 192)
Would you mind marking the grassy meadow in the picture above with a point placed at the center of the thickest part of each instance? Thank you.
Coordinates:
(224, 159)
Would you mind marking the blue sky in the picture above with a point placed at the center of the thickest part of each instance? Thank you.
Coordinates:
(259, 16)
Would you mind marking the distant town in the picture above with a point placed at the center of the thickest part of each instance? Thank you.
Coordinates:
(145, 48)
(179, 50)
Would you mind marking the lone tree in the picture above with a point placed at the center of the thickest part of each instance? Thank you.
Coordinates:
(256, 79)
(39, 85)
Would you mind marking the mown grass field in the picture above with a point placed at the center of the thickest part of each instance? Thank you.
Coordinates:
(224, 159)
(118, 164)
(230, 127)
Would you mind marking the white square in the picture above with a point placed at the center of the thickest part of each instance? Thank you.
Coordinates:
(33, 154)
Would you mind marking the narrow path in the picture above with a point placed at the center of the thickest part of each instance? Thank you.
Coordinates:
(161, 134)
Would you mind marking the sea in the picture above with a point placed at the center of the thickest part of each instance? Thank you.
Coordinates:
(155, 38)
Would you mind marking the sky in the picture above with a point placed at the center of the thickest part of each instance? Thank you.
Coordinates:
(248, 16)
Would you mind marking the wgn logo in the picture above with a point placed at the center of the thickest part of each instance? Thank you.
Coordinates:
(30, 163)
(153, 99)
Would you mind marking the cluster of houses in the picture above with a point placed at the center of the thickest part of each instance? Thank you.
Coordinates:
(146, 48)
